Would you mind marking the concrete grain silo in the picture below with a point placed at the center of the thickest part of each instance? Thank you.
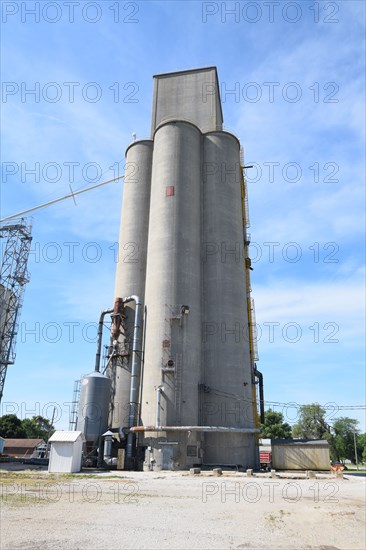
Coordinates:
(182, 368)
(131, 265)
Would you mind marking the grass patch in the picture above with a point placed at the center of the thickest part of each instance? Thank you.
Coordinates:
(22, 499)
(45, 476)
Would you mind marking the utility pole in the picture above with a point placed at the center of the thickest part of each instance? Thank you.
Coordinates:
(354, 441)
(49, 431)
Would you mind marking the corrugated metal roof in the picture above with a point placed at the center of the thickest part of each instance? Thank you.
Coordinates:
(31, 443)
(66, 436)
(319, 442)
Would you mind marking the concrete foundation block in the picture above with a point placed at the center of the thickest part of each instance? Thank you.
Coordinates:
(310, 474)
(273, 473)
(249, 473)
(217, 471)
(195, 471)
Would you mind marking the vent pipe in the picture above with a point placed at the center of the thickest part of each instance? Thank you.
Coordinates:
(259, 375)
(135, 377)
(100, 335)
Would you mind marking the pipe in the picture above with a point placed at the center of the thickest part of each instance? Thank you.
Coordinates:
(193, 429)
(100, 335)
(259, 375)
(135, 374)
(107, 451)
(113, 354)
(159, 391)
(117, 318)
(142, 361)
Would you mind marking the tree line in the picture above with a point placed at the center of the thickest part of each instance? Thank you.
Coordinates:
(312, 424)
(37, 427)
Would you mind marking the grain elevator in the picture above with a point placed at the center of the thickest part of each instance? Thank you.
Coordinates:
(181, 366)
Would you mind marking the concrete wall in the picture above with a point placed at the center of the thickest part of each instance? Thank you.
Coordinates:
(227, 371)
(188, 95)
(174, 279)
(131, 264)
(191, 224)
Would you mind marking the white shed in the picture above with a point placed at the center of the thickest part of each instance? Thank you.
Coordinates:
(66, 451)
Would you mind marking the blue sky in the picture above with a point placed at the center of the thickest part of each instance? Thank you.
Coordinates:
(293, 90)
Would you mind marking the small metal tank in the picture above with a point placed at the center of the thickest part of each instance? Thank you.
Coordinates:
(93, 407)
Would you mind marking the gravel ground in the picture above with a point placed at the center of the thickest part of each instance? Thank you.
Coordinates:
(133, 510)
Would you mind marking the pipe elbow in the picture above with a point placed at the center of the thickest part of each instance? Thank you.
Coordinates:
(134, 298)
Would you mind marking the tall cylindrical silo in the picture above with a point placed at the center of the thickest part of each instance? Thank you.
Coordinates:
(131, 266)
(172, 370)
(227, 371)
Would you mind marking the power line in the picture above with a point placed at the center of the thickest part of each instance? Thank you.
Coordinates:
(291, 404)
(70, 195)
(327, 406)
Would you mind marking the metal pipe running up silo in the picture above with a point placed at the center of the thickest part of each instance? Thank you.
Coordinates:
(100, 335)
(259, 375)
(135, 375)
(216, 429)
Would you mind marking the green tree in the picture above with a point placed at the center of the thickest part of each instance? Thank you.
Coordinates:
(361, 447)
(274, 427)
(344, 439)
(11, 427)
(311, 424)
(38, 427)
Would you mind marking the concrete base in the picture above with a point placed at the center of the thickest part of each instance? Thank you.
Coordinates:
(121, 459)
(231, 449)
(184, 450)
(172, 451)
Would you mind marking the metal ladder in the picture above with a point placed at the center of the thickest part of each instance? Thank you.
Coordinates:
(74, 409)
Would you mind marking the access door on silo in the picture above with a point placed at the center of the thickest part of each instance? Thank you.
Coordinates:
(168, 457)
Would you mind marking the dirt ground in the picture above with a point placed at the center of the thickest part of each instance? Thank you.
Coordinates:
(176, 510)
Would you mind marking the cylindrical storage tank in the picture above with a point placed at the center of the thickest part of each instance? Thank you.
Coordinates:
(93, 407)
(173, 288)
(131, 266)
(227, 370)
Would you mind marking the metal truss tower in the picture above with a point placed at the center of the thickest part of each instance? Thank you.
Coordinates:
(13, 277)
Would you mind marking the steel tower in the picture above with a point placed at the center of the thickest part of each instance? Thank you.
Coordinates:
(13, 278)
